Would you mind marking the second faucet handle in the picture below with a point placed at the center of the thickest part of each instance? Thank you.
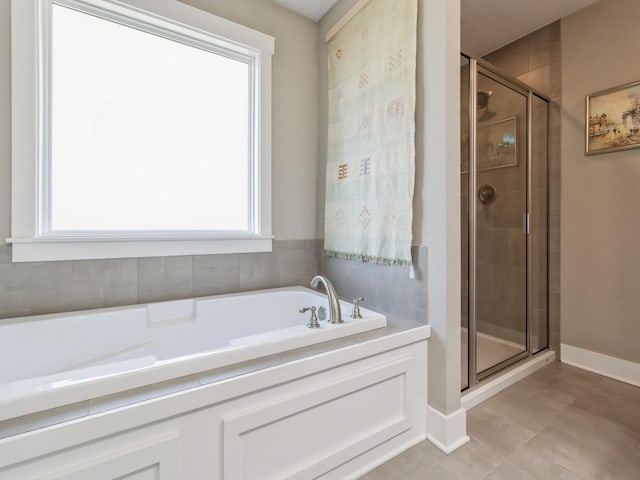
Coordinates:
(355, 314)
(313, 321)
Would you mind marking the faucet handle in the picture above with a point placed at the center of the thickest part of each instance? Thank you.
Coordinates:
(313, 321)
(355, 314)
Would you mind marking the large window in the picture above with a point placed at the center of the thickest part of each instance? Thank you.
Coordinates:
(149, 134)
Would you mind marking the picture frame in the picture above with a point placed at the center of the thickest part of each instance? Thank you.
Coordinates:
(497, 145)
(612, 120)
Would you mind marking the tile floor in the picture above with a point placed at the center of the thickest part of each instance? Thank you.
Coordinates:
(559, 423)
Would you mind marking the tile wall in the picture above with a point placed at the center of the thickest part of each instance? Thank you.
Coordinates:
(388, 289)
(50, 287)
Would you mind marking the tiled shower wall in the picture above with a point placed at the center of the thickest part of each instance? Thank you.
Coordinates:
(535, 60)
(50, 287)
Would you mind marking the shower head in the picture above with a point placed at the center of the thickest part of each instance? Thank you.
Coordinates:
(483, 104)
(483, 98)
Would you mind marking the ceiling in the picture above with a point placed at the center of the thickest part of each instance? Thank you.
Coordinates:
(490, 24)
(486, 24)
(313, 9)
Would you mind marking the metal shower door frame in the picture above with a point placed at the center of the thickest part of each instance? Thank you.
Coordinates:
(479, 66)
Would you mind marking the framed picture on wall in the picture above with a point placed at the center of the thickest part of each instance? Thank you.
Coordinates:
(496, 146)
(613, 119)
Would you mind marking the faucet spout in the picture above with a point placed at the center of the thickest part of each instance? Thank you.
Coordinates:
(335, 315)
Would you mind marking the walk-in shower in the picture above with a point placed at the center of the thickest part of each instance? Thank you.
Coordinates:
(504, 162)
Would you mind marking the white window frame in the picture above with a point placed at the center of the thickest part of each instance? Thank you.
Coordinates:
(31, 48)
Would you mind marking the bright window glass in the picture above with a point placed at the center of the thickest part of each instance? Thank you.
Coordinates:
(147, 133)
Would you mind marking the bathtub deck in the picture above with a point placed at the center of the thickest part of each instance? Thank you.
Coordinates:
(104, 352)
(108, 402)
(337, 407)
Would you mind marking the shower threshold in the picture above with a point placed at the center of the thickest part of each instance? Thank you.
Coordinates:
(505, 378)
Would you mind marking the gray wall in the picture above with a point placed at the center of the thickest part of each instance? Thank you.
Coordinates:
(47, 287)
(600, 194)
(536, 60)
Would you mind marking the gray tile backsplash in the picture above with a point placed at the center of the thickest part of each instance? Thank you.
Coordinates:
(295, 265)
(5, 254)
(216, 274)
(34, 288)
(104, 283)
(160, 278)
(259, 271)
(388, 289)
(51, 287)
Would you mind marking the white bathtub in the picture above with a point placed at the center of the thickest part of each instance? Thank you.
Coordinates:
(48, 361)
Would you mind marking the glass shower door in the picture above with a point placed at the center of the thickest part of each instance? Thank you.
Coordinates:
(464, 219)
(500, 190)
(539, 231)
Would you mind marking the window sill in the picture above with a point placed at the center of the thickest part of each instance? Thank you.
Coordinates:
(42, 250)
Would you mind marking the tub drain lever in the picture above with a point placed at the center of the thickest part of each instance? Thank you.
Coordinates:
(313, 321)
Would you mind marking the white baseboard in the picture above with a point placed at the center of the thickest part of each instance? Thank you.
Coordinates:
(489, 388)
(612, 367)
(447, 432)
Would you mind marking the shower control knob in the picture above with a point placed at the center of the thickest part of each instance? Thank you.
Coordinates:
(487, 194)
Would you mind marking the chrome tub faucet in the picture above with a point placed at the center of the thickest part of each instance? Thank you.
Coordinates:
(335, 316)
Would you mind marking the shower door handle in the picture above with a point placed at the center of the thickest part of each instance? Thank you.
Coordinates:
(525, 223)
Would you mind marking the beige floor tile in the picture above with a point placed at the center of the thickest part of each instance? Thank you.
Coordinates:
(623, 393)
(561, 423)
(411, 465)
(508, 471)
(496, 430)
(566, 378)
(525, 408)
(537, 467)
(545, 394)
(630, 468)
(579, 444)
(602, 407)
(473, 460)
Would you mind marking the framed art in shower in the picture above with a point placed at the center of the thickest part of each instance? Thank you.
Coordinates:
(613, 119)
(496, 145)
